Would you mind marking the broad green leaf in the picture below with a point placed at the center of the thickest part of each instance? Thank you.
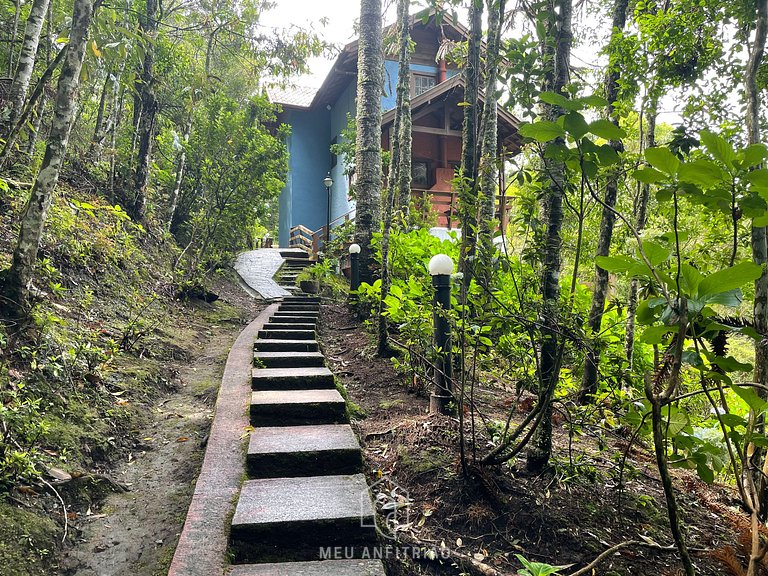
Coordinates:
(691, 278)
(733, 420)
(656, 253)
(575, 125)
(557, 151)
(656, 334)
(703, 172)
(755, 403)
(731, 298)
(648, 175)
(594, 100)
(754, 155)
(606, 129)
(729, 279)
(718, 147)
(693, 358)
(705, 472)
(730, 364)
(615, 264)
(760, 221)
(607, 155)
(558, 100)
(662, 159)
(758, 178)
(542, 131)
(675, 421)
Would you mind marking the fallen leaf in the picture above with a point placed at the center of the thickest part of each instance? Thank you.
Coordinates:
(182, 439)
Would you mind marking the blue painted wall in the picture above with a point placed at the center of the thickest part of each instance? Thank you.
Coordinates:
(304, 195)
(340, 204)
(303, 200)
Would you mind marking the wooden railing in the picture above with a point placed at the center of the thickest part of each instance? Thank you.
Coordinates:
(313, 242)
(446, 206)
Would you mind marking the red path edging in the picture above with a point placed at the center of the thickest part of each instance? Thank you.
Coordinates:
(202, 546)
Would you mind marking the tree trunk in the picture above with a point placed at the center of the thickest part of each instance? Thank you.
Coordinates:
(396, 165)
(39, 90)
(489, 140)
(12, 39)
(37, 122)
(146, 120)
(641, 215)
(468, 189)
(180, 165)
(607, 220)
(20, 85)
(33, 219)
(759, 245)
(370, 81)
(559, 29)
(99, 129)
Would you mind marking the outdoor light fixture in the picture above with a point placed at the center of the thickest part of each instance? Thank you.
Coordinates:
(441, 264)
(441, 268)
(328, 182)
(354, 276)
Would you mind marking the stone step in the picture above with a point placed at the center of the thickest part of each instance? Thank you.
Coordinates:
(299, 318)
(276, 345)
(312, 299)
(297, 253)
(292, 379)
(291, 307)
(288, 334)
(297, 407)
(293, 518)
(288, 359)
(314, 313)
(319, 568)
(306, 451)
(289, 326)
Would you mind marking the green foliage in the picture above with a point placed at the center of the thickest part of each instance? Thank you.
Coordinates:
(531, 568)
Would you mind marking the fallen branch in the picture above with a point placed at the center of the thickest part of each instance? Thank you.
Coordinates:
(629, 543)
(465, 562)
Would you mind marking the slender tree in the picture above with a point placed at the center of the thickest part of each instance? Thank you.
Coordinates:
(19, 279)
(608, 217)
(400, 150)
(468, 171)
(26, 63)
(489, 141)
(370, 81)
(640, 219)
(145, 126)
(556, 49)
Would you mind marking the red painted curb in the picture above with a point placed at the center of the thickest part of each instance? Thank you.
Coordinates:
(202, 546)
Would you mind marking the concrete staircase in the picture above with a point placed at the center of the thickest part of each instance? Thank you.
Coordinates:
(294, 261)
(305, 492)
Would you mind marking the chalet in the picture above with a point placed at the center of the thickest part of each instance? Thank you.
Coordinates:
(319, 118)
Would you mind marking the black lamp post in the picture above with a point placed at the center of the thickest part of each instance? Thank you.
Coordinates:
(441, 267)
(328, 182)
(354, 263)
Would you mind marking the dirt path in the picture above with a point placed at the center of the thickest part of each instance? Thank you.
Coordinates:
(136, 532)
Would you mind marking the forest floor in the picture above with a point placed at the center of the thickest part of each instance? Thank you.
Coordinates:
(565, 516)
(136, 531)
(125, 510)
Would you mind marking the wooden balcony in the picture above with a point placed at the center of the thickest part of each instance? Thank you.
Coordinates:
(446, 205)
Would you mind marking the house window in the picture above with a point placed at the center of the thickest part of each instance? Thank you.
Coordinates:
(420, 174)
(422, 83)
